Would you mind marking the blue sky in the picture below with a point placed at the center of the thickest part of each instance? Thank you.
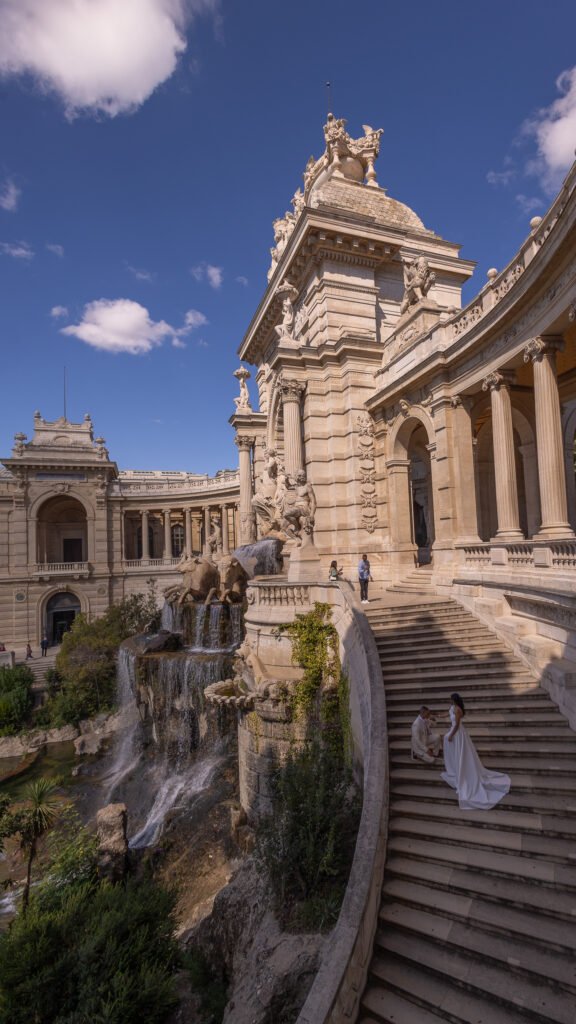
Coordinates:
(148, 145)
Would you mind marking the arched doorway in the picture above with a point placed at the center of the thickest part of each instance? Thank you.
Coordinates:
(62, 534)
(421, 495)
(61, 610)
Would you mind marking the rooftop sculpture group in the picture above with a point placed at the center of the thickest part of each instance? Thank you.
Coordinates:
(285, 505)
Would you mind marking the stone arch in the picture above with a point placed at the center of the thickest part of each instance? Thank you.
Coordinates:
(79, 599)
(411, 490)
(61, 530)
(526, 470)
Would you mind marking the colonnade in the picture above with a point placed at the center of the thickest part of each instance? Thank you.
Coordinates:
(197, 524)
(541, 352)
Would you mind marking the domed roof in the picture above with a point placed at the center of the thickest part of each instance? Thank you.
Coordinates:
(372, 204)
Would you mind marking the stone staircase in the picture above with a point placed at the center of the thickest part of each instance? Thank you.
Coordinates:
(415, 582)
(478, 916)
(39, 666)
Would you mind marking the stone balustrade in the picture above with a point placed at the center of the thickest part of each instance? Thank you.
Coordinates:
(274, 595)
(62, 568)
(149, 563)
(526, 555)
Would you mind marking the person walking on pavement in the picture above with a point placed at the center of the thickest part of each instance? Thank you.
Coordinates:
(364, 577)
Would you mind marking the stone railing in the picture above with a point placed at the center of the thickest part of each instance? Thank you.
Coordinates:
(520, 554)
(337, 989)
(62, 568)
(150, 486)
(275, 595)
(149, 563)
(477, 554)
(563, 554)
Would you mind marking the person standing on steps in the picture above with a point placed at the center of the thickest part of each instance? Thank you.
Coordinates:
(364, 578)
(44, 645)
(334, 573)
(28, 651)
(478, 788)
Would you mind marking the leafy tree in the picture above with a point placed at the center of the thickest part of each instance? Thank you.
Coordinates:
(15, 698)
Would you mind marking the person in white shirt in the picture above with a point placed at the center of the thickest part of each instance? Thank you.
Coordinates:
(426, 744)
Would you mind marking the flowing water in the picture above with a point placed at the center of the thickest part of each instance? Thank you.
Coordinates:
(262, 558)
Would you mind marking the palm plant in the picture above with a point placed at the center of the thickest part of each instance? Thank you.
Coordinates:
(36, 820)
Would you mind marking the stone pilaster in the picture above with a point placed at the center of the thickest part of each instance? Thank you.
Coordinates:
(464, 472)
(225, 537)
(245, 445)
(188, 530)
(292, 391)
(167, 533)
(207, 529)
(145, 535)
(498, 384)
(542, 353)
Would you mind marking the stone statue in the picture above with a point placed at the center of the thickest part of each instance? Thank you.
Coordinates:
(285, 329)
(267, 500)
(214, 540)
(199, 576)
(233, 581)
(242, 403)
(418, 279)
(298, 508)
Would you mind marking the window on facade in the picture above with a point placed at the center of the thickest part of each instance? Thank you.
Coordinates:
(177, 540)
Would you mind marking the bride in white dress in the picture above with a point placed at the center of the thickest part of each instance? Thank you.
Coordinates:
(478, 788)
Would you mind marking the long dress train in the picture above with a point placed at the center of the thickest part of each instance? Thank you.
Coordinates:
(478, 788)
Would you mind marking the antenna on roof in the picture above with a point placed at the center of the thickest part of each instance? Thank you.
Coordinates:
(64, 392)
(329, 96)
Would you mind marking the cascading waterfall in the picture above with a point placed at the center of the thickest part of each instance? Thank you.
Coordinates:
(171, 618)
(169, 753)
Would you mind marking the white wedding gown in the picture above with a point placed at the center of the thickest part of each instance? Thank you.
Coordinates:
(478, 788)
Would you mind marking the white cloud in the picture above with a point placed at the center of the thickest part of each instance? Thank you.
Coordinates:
(528, 204)
(122, 325)
(98, 56)
(59, 311)
(201, 343)
(242, 280)
(18, 250)
(554, 129)
(194, 318)
(206, 271)
(119, 325)
(140, 274)
(500, 177)
(214, 275)
(9, 196)
(58, 250)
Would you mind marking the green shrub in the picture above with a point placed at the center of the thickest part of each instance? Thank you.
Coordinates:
(89, 953)
(15, 698)
(84, 680)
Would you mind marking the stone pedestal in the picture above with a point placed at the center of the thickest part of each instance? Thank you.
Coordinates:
(417, 320)
(305, 565)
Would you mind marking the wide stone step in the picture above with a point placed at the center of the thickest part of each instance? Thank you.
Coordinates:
(543, 771)
(535, 997)
(469, 670)
(528, 717)
(512, 865)
(524, 802)
(530, 846)
(522, 925)
(407, 648)
(508, 747)
(407, 995)
(453, 661)
(534, 702)
(527, 960)
(387, 629)
(482, 689)
(515, 731)
(501, 817)
(556, 904)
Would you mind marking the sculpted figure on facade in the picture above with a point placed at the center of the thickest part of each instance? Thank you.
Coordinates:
(214, 540)
(242, 402)
(298, 508)
(267, 502)
(285, 330)
(418, 279)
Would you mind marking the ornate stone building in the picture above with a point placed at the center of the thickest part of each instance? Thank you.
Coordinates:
(76, 533)
(431, 434)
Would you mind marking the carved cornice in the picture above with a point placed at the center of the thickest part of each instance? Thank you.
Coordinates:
(538, 347)
(244, 442)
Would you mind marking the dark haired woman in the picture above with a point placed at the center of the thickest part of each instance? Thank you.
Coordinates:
(478, 788)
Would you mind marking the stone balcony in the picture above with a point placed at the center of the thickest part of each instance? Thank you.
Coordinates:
(557, 556)
(141, 564)
(77, 570)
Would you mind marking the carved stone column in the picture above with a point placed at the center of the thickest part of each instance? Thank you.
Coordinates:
(245, 445)
(504, 457)
(464, 471)
(549, 446)
(188, 530)
(292, 391)
(402, 546)
(167, 533)
(145, 535)
(207, 529)
(225, 537)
